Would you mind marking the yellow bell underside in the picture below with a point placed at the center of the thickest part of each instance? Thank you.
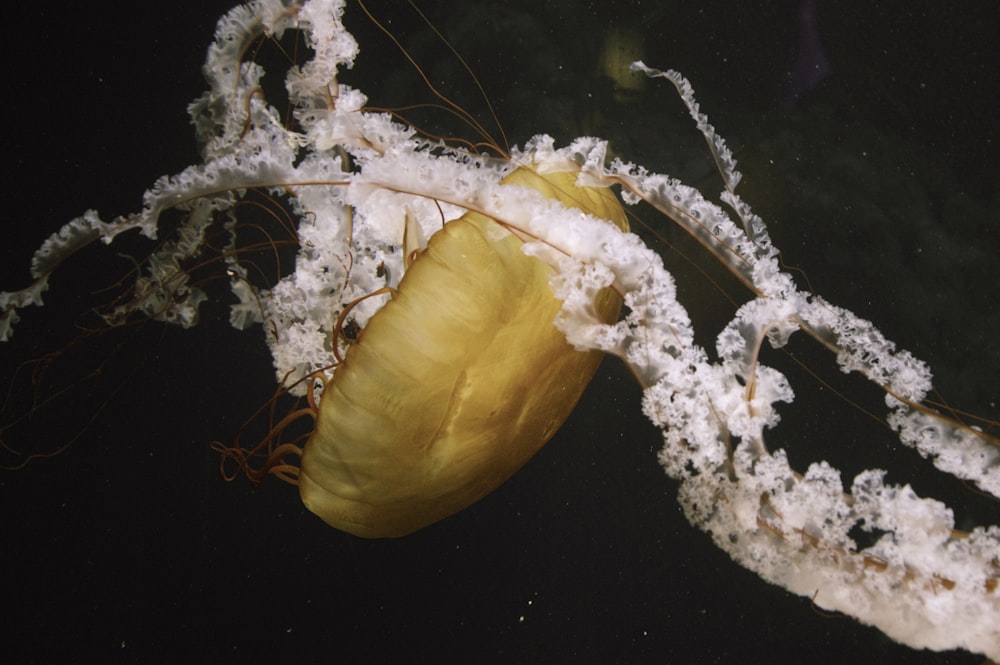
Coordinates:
(455, 383)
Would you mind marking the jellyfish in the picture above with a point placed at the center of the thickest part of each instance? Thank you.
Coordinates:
(362, 186)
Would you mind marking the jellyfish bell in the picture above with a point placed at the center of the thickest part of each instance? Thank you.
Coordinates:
(456, 382)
